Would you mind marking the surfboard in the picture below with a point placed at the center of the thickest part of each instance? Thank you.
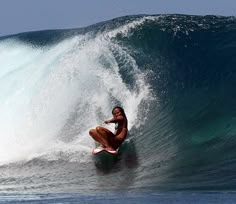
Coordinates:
(105, 159)
(100, 150)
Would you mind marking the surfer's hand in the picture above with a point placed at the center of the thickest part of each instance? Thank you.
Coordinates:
(107, 121)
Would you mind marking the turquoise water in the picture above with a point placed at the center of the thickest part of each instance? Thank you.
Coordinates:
(173, 74)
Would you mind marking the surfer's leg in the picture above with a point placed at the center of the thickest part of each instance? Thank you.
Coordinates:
(103, 131)
(93, 133)
(108, 137)
(98, 137)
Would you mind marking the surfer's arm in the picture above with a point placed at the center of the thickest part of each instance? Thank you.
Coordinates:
(114, 120)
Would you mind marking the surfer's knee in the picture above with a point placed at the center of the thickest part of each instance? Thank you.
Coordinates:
(92, 132)
(99, 129)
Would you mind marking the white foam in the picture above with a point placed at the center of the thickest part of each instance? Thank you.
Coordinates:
(125, 29)
(50, 98)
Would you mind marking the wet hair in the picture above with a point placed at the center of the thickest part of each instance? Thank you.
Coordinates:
(121, 110)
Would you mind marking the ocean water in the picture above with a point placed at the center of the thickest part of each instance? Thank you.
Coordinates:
(175, 76)
(166, 198)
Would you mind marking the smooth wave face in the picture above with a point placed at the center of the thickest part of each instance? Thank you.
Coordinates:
(173, 74)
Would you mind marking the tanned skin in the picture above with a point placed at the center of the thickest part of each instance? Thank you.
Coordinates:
(109, 140)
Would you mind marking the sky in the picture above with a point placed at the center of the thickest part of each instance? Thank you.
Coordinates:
(18, 16)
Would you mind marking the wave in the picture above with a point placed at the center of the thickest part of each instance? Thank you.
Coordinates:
(173, 74)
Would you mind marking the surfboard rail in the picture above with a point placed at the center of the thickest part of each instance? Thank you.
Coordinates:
(99, 150)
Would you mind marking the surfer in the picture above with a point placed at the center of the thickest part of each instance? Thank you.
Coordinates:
(108, 140)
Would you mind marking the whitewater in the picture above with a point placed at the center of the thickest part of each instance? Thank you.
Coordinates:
(51, 96)
(174, 75)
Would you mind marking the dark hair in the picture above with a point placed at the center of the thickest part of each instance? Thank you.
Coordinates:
(121, 110)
